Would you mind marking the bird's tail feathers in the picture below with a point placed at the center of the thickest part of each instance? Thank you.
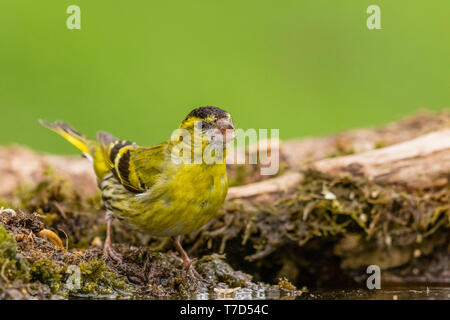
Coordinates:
(70, 134)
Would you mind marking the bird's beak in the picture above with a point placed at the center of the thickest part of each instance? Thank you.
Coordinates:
(226, 127)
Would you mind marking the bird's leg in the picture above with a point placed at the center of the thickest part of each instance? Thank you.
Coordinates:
(187, 262)
(107, 249)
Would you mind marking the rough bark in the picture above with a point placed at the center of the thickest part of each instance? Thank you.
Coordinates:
(423, 162)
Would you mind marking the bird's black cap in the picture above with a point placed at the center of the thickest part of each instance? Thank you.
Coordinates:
(207, 111)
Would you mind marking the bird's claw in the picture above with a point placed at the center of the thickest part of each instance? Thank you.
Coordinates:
(109, 252)
(189, 269)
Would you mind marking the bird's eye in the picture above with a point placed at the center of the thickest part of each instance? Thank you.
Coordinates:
(204, 125)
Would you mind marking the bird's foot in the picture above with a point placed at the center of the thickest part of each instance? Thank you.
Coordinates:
(109, 252)
(188, 268)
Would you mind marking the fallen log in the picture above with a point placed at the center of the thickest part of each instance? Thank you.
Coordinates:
(423, 162)
(20, 165)
(378, 196)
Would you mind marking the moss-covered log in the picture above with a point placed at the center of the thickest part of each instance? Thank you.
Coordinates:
(34, 266)
(319, 223)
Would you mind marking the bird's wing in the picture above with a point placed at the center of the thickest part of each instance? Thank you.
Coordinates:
(135, 167)
(149, 163)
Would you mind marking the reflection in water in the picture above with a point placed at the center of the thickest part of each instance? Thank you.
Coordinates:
(390, 293)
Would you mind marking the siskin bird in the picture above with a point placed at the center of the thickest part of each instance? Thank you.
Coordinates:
(150, 188)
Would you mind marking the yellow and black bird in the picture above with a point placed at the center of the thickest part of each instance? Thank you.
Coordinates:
(153, 188)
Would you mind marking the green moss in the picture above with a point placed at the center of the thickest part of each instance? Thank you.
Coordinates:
(317, 218)
(47, 272)
(61, 208)
(381, 144)
(5, 203)
(284, 284)
(12, 264)
(42, 272)
(97, 280)
(89, 279)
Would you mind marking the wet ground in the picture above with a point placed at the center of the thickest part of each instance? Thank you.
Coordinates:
(392, 293)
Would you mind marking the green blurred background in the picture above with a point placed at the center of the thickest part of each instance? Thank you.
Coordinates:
(136, 68)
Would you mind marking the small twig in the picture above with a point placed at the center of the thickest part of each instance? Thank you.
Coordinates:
(67, 238)
(2, 272)
(60, 209)
(261, 254)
